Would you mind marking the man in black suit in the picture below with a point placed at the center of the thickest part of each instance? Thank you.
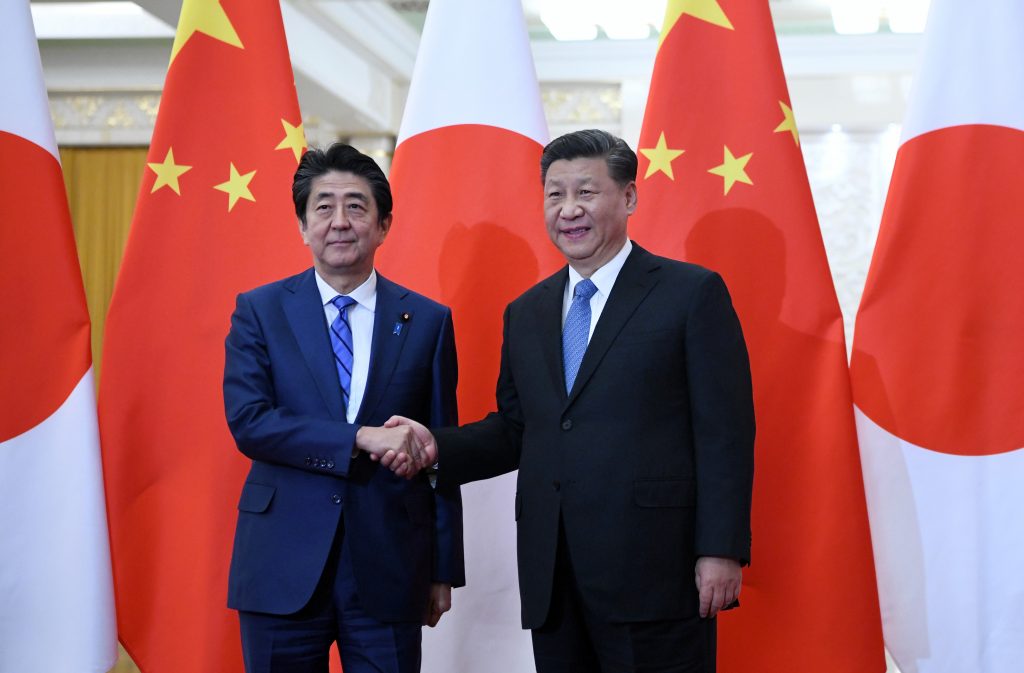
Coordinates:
(624, 399)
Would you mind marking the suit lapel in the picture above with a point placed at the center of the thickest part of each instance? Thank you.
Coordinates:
(549, 317)
(634, 282)
(305, 313)
(390, 314)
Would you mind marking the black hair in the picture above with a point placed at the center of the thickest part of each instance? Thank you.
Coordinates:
(344, 159)
(592, 143)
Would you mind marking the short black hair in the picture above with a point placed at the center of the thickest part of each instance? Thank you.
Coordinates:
(592, 143)
(344, 159)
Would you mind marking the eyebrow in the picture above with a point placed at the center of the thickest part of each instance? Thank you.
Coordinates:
(359, 196)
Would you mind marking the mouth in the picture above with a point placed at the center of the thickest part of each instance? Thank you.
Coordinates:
(340, 242)
(574, 233)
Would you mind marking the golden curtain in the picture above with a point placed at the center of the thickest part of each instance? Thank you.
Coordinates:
(102, 185)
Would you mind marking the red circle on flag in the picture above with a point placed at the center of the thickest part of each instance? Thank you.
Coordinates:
(44, 341)
(938, 357)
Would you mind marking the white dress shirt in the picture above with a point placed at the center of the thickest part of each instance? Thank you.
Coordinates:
(360, 320)
(604, 278)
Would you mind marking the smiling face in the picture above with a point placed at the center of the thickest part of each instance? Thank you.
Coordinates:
(343, 228)
(586, 211)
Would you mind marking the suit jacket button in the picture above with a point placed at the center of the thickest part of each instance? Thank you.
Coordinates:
(330, 464)
(309, 461)
(336, 499)
(556, 484)
(567, 424)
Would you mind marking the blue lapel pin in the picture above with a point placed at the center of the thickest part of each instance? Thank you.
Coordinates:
(398, 325)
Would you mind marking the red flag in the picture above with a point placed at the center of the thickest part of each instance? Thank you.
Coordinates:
(58, 603)
(469, 231)
(937, 365)
(722, 183)
(214, 218)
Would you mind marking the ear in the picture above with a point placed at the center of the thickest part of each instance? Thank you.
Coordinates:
(385, 226)
(302, 230)
(631, 198)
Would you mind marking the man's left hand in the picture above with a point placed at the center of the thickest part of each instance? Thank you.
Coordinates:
(440, 603)
(718, 582)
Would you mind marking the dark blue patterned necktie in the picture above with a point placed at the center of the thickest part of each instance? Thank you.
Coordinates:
(341, 342)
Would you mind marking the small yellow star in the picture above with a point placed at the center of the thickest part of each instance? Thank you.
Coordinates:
(207, 17)
(788, 123)
(168, 172)
(661, 158)
(732, 169)
(294, 139)
(705, 10)
(237, 187)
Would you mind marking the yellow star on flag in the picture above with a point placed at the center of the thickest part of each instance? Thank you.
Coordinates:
(168, 172)
(788, 123)
(294, 139)
(237, 187)
(661, 158)
(705, 10)
(207, 17)
(732, 169)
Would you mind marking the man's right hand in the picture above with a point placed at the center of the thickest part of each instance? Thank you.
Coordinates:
(426, 454)
(395, 447)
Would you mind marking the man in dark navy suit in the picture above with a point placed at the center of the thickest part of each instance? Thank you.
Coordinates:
(330, 544)
(624, 400)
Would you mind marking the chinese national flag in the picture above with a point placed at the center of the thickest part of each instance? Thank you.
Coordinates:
(722, 183)
(214, 218)
(469, 232)
(938, 356)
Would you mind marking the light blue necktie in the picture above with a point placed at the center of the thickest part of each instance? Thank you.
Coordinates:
(576, 331)
(341, 342)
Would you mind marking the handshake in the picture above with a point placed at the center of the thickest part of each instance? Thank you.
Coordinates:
(401, 445)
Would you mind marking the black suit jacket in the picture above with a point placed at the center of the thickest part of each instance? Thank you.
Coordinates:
(648, 461)
(284, 407)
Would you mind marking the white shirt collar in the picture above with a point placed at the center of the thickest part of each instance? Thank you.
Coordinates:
(365, 295)
(604, 278)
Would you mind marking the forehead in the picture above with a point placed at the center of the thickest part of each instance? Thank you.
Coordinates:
(340, 184)
(565, 171)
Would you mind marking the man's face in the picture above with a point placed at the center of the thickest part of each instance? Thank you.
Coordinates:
(586, 211)
(342, 227)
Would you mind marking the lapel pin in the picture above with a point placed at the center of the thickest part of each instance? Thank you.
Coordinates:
(398, 325)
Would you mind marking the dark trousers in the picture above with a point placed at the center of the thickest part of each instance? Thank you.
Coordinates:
(300, 643)
(575, 640)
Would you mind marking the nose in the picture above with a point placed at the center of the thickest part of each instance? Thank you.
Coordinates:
(570, 209)
(339, 220)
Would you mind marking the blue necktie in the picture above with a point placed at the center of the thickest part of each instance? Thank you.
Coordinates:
(341, 342)
(576, 331)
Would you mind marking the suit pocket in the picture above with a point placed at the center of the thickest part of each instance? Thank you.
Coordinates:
(663, 492)
(255, 497)
(420, 508)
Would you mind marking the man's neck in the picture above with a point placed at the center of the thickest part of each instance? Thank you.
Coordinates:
(344, 283)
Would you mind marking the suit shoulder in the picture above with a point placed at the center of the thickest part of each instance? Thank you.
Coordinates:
(418, 301)
(553, 283)
(271, 289)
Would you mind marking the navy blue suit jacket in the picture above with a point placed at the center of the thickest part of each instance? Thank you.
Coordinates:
(284, 407)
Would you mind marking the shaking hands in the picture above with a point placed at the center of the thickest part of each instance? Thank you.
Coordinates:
(401, 445)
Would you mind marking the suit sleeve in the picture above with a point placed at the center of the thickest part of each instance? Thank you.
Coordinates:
(263, 430)
(722, 410)
(490, 446)
(449, 560)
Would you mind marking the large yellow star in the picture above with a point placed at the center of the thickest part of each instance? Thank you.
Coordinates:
(705, 10)
(207, 17)
(168, 172)
(237, 187)
(294, 139)
(661, 158)
(788, 123)
(732, 169)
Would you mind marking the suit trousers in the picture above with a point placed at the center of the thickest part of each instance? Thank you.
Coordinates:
(575, 640)
(300, 642)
